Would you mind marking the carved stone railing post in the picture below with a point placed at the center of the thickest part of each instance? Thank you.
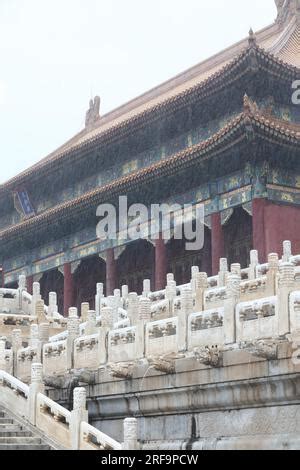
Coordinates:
(287, 251)
(144, 317)
(171, 292)
(73, 333)
(223, 273)
(236, 269)
(78, 414)
(22, 282)
(194, 272)
(201, 286)
(34, 341)
(232, 298)
(1, 301)
(16, 344)
(2, 355)
(84, 309)
(21, 289)
(118, 300)
(285, 287)
(272, 274)
(52, 308)
(36, 386)
(91, 328)
(130, 434)
(34, 336)
(36, 296)
(133, 308)
(146, 288)
(107, 320)
(98, 298)
(40, 311)
(125, 292)
(183, 314)
(44, 333)
(107, 323)
(253, 264)
(112, 302)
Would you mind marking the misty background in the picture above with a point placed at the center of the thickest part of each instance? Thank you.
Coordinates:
(56, 54)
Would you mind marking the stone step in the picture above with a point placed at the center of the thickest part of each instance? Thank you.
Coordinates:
(20, 440)
(15, 434)
(9, 422)
(6, 421)
(24, 447)
(10, 428)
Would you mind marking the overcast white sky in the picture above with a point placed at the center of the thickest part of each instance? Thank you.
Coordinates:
(56, 53)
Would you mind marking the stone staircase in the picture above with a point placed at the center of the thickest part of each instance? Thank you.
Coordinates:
(14, 435)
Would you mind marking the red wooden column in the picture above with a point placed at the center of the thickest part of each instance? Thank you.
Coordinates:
(282, 222)
(160, 264)
(217, 242)
(207, 252)
(111, 272)
(258, 228)
(29, 282)
(68, 288)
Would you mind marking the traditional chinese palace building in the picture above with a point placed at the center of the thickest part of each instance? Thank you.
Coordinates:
(225, 133)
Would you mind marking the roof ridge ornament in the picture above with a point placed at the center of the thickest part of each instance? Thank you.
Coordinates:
(92, 116)
(250, 106)
(252, 38)
(287, 9)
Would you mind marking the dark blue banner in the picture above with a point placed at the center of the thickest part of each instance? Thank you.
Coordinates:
(25, 203)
